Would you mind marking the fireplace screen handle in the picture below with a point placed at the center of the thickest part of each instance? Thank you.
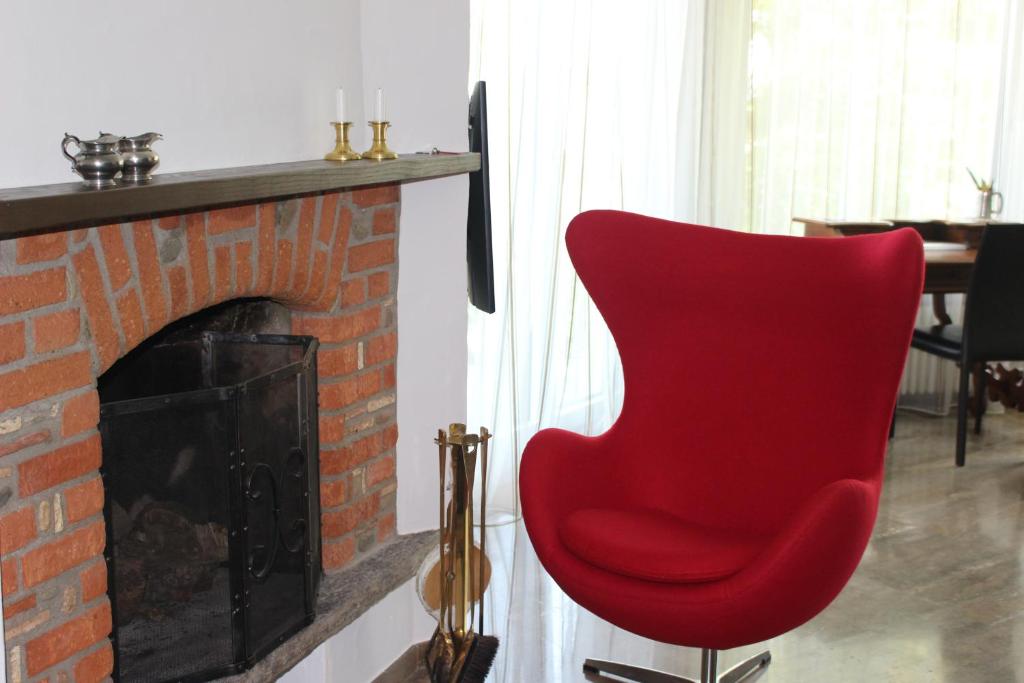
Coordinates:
(296, 463)
(260, 486)
(296, 538)
(262, 474)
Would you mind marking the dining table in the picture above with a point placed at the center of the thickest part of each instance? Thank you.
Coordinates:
(951, 246)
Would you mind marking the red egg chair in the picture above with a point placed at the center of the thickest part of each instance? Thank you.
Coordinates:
(734, 496)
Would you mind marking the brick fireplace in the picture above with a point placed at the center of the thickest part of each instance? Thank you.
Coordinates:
(74, 302)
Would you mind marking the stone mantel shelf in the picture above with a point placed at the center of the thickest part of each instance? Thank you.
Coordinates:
(343, 598)
(51, 208)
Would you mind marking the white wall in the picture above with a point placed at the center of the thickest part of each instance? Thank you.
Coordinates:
(228, 83)
(359, 653)
(3, 650)
(419, 53)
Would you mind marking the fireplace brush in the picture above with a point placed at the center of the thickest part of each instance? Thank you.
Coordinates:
(455, 653)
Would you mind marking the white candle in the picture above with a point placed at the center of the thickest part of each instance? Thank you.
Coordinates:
(379, 113)
(340, 106)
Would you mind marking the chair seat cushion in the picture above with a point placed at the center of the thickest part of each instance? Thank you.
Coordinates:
(656, 546)
(941, 340)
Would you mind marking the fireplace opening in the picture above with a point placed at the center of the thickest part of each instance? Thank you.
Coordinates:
(211, 475)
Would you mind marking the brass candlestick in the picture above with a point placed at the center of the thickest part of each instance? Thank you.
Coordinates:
(379, 149)
(342, 149)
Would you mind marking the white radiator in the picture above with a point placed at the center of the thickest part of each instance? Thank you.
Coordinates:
(929, 383)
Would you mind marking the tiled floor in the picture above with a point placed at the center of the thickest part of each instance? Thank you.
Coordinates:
(938, 596)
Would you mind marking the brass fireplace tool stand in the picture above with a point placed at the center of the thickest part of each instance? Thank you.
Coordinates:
(455, 653)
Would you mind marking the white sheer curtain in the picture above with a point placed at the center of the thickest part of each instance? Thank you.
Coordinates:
(1008, 165)
(875, 109)
(591, 105)
(722, 177)
(871, 109)
(739, 114)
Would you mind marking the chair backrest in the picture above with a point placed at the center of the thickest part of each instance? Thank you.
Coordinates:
(757, 368)
(994, 319)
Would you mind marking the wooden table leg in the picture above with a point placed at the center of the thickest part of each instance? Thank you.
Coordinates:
(939, 309)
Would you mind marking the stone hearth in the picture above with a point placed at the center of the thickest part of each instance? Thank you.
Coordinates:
(73, 302)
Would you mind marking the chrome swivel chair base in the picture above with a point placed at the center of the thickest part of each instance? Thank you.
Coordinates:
(744, 671)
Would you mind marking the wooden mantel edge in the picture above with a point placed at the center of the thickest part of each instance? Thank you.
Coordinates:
(66, 206)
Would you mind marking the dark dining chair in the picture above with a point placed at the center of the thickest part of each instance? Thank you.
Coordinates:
(714, 528)
(993, 326)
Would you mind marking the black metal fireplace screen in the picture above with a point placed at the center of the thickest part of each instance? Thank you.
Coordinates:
(210, 463)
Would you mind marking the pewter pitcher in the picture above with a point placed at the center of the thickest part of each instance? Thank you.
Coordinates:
(139, 158)
(97, 161)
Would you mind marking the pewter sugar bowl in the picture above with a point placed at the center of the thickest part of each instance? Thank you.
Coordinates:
(97, 161)
(138, 157)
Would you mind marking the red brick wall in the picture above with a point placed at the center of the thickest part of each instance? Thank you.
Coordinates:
(72, 303)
